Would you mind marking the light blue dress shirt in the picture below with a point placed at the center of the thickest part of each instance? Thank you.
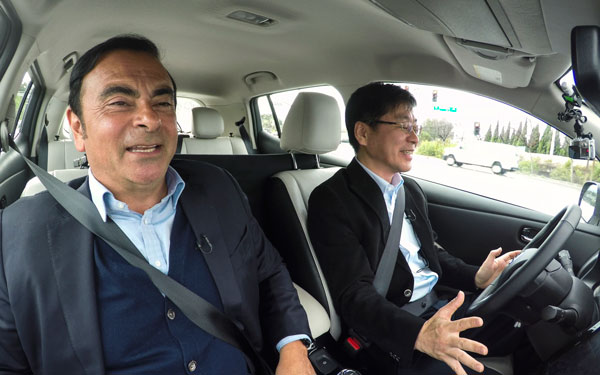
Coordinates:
(150, 232)
(424, 278)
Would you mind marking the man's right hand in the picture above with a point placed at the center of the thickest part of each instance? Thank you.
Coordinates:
(440, 338)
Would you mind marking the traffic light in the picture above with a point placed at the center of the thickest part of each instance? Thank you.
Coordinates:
(476, 129)
(434, 96)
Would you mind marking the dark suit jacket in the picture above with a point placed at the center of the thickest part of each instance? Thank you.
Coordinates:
(348, 225)
(48, 311)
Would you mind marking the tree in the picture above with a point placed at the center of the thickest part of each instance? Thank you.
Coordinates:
(544, 145)
(564, 147)
(523, 140)
(496, 136)
(488, 134)
(441, 129)
(516, 135)
(557, 144)
(534, 139)
(506, 134)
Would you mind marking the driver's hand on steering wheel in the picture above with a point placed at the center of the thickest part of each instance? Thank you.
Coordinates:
(440, 338)
(493, 266)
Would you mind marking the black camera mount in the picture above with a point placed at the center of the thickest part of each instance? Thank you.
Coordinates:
(573, 102)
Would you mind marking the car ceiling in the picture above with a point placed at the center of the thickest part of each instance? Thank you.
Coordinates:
(345, 43)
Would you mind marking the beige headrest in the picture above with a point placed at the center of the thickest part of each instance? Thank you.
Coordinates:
(313, 124)
(208, 123)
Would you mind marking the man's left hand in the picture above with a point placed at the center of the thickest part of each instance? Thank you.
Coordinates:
(293, 360)
(492, 267)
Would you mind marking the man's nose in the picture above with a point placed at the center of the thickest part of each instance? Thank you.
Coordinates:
(413, 137)
(147, 117)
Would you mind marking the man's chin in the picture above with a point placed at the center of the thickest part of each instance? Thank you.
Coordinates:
(148, 174)
(405, 168)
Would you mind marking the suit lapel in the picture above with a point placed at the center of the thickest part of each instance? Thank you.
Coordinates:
(202, 216)
(71, 250)
(363, 186)
(422, 230)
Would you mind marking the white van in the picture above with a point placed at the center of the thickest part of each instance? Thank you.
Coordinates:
(498, 156)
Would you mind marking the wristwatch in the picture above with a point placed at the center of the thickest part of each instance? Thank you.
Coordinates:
(310, 345)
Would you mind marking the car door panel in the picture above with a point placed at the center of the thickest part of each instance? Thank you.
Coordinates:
(469, 225)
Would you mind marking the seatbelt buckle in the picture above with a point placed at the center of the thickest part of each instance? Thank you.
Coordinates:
(352, 346)
(355, 343)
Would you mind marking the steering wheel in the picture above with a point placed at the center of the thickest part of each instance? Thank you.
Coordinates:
(527, 266)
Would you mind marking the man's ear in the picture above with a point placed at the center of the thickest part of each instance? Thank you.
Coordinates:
(77, 130)
(361, 131)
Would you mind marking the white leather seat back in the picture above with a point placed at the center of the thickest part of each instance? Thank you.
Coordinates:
(35, 186)
(312, 126)
(207, 131)
(299, 185)
(62, 154)
(318, 320)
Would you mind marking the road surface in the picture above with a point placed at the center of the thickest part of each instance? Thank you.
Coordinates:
(535, 192)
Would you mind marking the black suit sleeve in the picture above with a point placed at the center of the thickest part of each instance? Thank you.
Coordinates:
(12, 356)
(349, 275)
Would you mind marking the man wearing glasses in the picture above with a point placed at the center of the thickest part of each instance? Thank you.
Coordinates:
(410, 329)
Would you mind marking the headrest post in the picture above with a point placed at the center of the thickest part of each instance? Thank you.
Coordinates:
(294, 160)
(318, 160)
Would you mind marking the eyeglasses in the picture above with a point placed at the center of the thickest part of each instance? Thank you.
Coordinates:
(407, 126)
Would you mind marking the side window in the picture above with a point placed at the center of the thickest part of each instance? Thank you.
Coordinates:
(22, 100)
(489, 148)
(273, 110)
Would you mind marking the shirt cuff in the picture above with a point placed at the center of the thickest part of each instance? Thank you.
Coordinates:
(286, 340)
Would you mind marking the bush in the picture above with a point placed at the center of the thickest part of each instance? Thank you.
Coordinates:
(564, 172)
(432, 148)
(529, 166)
(596, 172)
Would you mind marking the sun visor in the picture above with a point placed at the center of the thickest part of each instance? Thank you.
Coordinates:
(465, 19)
(497, 65)
(519, 27)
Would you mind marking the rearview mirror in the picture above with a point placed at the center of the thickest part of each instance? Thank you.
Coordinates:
(589, 203)
(585, 55)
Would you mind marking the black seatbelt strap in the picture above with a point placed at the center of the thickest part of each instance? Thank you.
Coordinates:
(386, 266)
(198, 310)
(42, 146)
(245, 135)
(179, 143)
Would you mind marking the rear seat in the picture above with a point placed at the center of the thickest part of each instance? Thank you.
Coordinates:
(62, 154)
(61, 158)
(35, 186)
(313, 127)
(207, 131)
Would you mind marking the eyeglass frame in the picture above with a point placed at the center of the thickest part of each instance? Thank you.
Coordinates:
(411, 127)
